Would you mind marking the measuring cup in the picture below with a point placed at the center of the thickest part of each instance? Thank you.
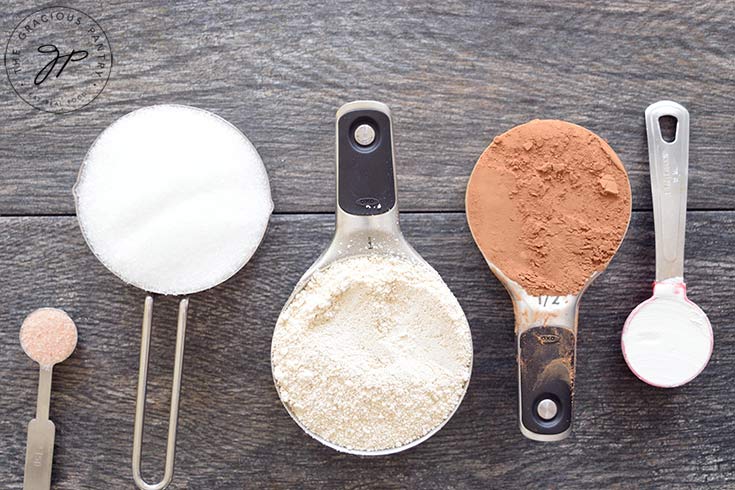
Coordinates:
(162, 177)
(667, 340)
(546, 341)
(546, 337)
(367, 213)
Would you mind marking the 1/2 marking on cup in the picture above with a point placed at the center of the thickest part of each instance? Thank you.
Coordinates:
(550, 301)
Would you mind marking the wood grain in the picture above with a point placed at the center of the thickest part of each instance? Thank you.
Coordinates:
(455, 73)
(234, 433)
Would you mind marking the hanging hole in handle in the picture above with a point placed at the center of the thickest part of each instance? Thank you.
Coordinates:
(668, 127)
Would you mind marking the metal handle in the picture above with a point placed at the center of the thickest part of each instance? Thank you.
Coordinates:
(41, 435)
(669, 163)
(145, 344)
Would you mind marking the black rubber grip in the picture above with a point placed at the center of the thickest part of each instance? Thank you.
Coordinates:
(546, 361)
(366, 185)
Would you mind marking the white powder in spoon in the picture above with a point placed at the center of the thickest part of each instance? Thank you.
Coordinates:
(373, 353)
(173, 199)
(667, 340)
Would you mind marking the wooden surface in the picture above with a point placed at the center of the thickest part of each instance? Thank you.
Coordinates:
(455, 75)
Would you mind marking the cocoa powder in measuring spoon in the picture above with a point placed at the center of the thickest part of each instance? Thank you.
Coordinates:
(547, 203)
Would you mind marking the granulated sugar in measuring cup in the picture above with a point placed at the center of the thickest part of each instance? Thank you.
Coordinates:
(372, 352)
(667, 340)
(548, 204)
(173, 200)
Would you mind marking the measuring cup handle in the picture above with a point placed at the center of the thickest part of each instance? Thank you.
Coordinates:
(366, 183)
(669, 162)
(546, 381)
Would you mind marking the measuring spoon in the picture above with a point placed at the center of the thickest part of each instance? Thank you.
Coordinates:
(367, 221)
(667, 340)
(48, 336)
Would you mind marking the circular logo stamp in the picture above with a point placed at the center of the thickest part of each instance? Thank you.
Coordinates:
(58, 59)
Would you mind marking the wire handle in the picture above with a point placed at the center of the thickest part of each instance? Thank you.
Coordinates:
(145, 343)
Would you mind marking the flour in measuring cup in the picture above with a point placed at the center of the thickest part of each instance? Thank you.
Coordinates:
(374, 353)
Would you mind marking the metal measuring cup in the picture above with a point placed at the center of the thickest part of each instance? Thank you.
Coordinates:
(546, 340)
(367, 221)
(175, 290)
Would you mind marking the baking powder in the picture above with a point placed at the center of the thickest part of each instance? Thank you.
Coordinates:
(667, 340)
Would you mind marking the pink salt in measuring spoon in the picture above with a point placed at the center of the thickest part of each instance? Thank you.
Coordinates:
(48, 336)
(667, 340)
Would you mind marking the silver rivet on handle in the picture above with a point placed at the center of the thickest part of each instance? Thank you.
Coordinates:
(364, 135)
(547, 409)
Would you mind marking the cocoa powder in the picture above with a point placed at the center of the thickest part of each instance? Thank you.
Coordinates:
(548, 204)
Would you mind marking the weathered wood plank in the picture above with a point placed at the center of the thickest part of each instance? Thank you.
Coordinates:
(456, 74)
(234, 432)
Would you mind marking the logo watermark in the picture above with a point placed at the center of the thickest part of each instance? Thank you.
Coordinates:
(58, 59)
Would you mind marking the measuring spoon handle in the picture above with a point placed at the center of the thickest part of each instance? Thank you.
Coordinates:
(669, 162)
(39, 455)
(41, 435)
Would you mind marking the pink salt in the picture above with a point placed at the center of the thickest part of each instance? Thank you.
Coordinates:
(48, 336)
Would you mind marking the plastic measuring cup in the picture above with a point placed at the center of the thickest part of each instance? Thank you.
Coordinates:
(667, 340)
(367, 220)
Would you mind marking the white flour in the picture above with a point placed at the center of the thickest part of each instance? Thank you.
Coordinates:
(374, 353)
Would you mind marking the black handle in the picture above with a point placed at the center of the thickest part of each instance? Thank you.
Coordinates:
(546, 360)
(366, 182)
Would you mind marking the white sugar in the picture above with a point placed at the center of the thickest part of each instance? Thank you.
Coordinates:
(173, 199)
